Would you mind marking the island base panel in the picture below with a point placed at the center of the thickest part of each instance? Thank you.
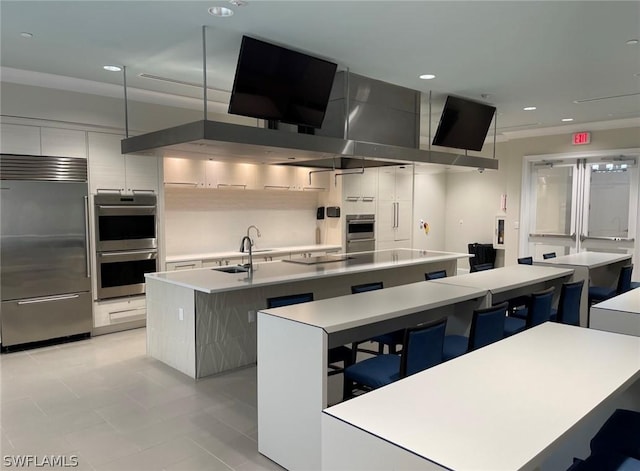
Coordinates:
(170, 334)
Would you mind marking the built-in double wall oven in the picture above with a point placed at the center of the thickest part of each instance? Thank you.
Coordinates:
(360, 233)
(126, 243)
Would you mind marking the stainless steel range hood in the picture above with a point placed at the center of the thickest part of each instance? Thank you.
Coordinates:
(236, 143)
(368, 123)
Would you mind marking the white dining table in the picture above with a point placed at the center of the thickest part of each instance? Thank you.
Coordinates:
(595, 268)
(530, 401)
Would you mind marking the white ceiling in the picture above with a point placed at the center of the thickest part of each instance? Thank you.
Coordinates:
(545, 54)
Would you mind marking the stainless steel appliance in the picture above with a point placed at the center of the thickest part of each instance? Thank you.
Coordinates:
(126, 243)
(45, 274)
(360, 232)
(125, 222)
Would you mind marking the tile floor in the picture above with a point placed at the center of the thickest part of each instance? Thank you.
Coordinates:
(106, 402)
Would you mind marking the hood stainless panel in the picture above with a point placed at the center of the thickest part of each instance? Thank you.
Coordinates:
(236, 143)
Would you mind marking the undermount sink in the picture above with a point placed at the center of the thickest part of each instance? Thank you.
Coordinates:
(232, 269)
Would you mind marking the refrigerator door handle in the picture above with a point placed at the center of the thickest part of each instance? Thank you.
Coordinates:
(48, 299)
(86, 236)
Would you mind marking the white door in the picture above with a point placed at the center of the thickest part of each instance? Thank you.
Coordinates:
(573, 204)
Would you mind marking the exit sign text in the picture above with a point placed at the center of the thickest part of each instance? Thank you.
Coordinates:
(580, 138)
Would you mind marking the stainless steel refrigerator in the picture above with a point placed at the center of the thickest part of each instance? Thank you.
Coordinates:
(45, 285)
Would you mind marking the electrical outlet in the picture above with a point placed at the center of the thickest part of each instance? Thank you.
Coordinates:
(251, 316)
(180, 314)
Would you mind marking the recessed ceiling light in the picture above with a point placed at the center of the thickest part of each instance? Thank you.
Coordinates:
(238, 3)
(633, 41)
(427, 76)
(222, 12)
(26, 35)
(112, 68)
(529, 108)
(567, 120)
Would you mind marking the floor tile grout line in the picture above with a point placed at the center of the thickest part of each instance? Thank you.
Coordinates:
(210, 453)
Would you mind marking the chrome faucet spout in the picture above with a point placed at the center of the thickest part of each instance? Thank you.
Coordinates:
(257, 232)
(243, 244)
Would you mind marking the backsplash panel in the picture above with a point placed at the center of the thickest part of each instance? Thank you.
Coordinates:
(198, 220)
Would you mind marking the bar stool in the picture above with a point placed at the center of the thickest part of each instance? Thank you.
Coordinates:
(539, 311)
(422, 349)
(487, 326)
(434, 275)
(602, 293)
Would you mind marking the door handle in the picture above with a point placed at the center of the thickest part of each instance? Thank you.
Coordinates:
(48, 299)
(397, 215)
(86, 235)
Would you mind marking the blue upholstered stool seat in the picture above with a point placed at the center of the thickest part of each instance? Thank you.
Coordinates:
(513, 325)
(600, 293)
(620, 434)
(635, 284)
(377, 371)
(454, 346)
(607, 462)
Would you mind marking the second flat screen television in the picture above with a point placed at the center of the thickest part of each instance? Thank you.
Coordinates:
(463, 124)
(276, 83)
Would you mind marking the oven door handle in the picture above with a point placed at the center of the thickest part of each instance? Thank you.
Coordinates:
(360, 240)
(152, 253)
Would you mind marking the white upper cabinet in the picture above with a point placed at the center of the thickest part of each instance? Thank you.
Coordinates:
(277, 177)
(141, 172)
(225, 175)
(110, 170)
(320, 181)
(63, 142)
(213, 174)
(360, 186)
(34, 140)
(395, 183)
(184, 172)
(18, 139)
(106, 163)
(395, 206)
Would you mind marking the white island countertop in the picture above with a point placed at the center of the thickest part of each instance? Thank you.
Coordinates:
(257, 251)
(210, 280)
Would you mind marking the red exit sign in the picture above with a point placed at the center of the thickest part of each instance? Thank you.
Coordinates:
(580, 138)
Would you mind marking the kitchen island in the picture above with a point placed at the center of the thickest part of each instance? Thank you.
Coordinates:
(202, 321)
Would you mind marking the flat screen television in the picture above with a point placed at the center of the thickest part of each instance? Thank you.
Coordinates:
(279, 84)
(463, 124)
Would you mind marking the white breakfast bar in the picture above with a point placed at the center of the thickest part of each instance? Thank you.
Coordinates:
(618, 314)
(512, 281)
(531, 401)
(293, 343)
(202, 321)
(596, 268)
(292, 348)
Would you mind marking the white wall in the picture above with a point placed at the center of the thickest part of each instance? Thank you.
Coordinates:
(472, 204)
(202, 221)
(429, 205)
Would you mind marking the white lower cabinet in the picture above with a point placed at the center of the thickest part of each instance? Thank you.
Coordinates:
(108, 313)
(186, 265)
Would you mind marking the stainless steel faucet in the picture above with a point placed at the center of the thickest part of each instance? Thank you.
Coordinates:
(257, 232)
(243, 244)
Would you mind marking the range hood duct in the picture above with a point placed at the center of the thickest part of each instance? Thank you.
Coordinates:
(368, 123)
